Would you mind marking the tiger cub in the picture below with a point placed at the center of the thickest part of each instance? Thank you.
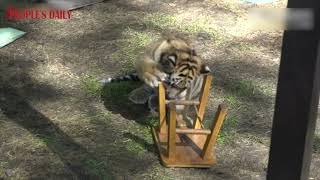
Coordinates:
(155, 65)
(174, 62)
(185, 74)
(157, 62)
(178, 60)
(185, 83)
(160, 59)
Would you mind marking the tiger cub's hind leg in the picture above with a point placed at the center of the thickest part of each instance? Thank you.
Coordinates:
(141, 94)
(153, 105)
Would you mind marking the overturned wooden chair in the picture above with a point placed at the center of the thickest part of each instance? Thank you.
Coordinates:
(187, 147)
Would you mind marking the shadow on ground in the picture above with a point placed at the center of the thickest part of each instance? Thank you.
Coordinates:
(316, 144)
(17, 109)
(149, 147)
(115, 98)
(18, 92)
(17, 88)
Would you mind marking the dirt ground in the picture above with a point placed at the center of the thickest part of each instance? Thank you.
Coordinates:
(57, 122)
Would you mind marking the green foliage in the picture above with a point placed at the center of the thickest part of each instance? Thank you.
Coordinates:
(135, 148)
(231, 123)
(91, 85)
(244, 88)
(151, 121)
(231, 100)
(228, 129)
(118, 91)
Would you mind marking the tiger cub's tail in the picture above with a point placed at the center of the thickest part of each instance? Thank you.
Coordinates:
(129, 77)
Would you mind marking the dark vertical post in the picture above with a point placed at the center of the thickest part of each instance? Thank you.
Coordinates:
(296, 102)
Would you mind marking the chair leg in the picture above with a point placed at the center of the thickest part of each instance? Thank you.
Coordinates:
(172, 133)
(203, 100)
(162, 109)
(212, 138)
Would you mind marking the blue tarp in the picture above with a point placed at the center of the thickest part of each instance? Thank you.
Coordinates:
(8, 35)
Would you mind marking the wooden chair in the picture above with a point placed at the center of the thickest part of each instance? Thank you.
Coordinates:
(183, 147)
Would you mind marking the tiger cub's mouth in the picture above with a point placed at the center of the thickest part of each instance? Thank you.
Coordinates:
(173, 91)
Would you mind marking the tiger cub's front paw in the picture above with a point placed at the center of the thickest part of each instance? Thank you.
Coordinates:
(162, 76)
(152, 82)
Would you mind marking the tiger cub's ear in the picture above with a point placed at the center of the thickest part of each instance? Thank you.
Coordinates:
(205, 69)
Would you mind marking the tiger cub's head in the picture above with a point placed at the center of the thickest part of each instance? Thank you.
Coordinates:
(183, 78)
(170, 52)
(179, 60)
(186, 75)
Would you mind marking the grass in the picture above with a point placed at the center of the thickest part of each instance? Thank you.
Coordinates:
(243, 88)
(230, 6)
(91, 166)
(91, 85)
(316, 144)
(48, 140)
(240, 89)
(158, 172)
(138, 135)
(135, 148)
(231, 122)
(3, 166)
(118, 92)
(231, 100)
(97, 168)
(266, 88)
(139, 139)
(151, 121)
(131, 48)
(250, 89)
(164, 22)
(243, 47)
(134, 42)
(202, 24)
(160, 21)
(228, 129)
(136, 139)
